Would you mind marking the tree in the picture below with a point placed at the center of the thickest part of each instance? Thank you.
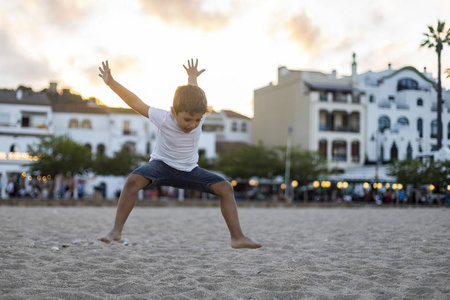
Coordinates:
(245, 161)
(417, 172)
(436, 39)
(306, 165)
(264, 162)
(410, 171)
(60, 155)
(122, 163)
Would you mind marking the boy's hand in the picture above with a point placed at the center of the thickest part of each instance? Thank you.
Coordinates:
(105, 73)
(192, 71)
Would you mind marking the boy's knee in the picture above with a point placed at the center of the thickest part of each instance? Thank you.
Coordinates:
(136, 182)
(223, 188)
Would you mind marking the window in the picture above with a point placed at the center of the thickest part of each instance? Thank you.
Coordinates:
(34, 119)
(407, 84)
(371, 98)
(409, 151)
(101, 149)
(4, 119)
(25, 121)
(339, 149)
(244, 127)
(126, 128)
(434, 129)
(355, 152)
(73, 123)
(403, 121)
(394, 152)
(130, 146)
(323, 148)
(420, 127)
(88, 147)
(419, 102)
(384, 123)
(86, 124)
(234, 126)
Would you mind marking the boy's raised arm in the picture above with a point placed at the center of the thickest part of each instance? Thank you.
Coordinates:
(127, 96)
(193, 72)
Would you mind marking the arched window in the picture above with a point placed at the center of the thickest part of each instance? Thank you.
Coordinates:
(89, 147)
(434, 129)
(73, 123)
(131, 146)
(409, 151)
(419, 102)
(403, 121)
(407, 84)
(372, 98)
(394, 152)
(384, 123)
(420, 127)
(86, 124)
(101, 149)
(14, 148)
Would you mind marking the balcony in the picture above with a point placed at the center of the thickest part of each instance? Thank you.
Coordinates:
(348, 128)
(129, 132)
(20, 129)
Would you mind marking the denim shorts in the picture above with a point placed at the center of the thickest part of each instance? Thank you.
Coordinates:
(162, 174)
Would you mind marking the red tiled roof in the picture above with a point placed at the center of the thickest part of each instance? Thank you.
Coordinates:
(235, 115)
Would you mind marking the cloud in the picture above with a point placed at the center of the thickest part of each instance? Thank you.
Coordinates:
(304, 32)
(185, 13)
(19, 68)
(118, 64)
(60, 13)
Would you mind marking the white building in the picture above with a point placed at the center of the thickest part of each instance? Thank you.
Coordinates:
(402, 114)
(26, 117)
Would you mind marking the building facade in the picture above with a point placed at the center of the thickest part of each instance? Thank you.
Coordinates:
(321, 112)
(402, 114)
(26, 117)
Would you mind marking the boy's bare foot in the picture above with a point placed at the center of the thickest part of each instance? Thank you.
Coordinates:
(110, 236)
(244, 242)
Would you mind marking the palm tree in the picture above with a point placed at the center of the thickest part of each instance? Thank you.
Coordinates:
(436, 38)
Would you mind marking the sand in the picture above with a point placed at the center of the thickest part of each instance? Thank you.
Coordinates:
(184, 253)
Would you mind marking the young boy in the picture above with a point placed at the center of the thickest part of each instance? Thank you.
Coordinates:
(174, 160)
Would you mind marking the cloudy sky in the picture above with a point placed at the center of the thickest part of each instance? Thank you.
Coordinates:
(240, 43)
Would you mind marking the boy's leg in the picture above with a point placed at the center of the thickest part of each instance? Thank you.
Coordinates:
(228, 207)
(127, 199)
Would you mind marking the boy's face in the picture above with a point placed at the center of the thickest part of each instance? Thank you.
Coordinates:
(186, 121)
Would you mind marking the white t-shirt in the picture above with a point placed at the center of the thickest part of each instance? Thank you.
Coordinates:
(173, 146)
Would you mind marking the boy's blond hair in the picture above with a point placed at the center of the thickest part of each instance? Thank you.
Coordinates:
(191, 99)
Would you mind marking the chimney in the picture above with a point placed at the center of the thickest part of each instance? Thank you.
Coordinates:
(52, 88)
(19, 94)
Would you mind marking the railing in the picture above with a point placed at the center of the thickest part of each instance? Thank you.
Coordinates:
(348, 128)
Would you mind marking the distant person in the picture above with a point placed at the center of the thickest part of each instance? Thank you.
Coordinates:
(10, 189)
(174, 160)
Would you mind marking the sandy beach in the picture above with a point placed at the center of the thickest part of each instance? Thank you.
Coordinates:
(184, 253)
